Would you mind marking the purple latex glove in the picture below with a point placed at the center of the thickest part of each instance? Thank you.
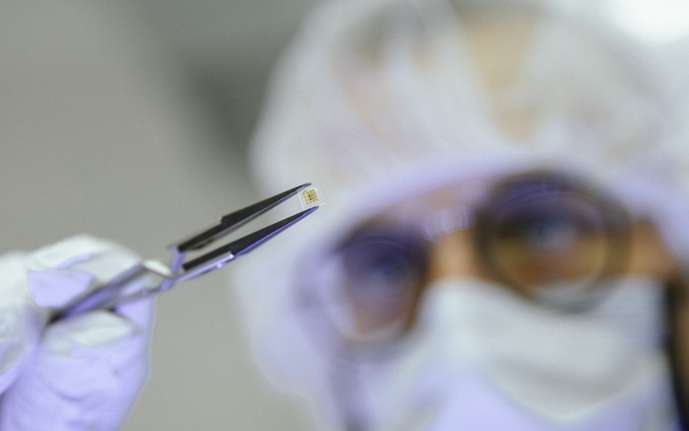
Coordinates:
(83, 373)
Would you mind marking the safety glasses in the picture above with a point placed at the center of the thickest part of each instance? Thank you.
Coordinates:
(533, 232)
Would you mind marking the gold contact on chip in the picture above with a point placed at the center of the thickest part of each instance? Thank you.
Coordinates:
(310, 198)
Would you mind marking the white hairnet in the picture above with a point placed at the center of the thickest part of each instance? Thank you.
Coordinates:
(598, 103)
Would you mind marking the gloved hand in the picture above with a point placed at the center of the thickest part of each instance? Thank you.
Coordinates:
(82, 373)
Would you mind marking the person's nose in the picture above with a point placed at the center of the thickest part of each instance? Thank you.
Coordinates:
(453, 256)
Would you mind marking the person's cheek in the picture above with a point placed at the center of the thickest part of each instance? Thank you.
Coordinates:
(648, 255)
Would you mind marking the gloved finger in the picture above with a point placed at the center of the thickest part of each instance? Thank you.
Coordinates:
(102, 258)
(51, 288)
(19, 324)
(67, 253)
(138, 312)
(84, 376)
(60, 272)
(108, 263)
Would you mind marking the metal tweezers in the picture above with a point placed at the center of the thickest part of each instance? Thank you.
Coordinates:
(125, 288)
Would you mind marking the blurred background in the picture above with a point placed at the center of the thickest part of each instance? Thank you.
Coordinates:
(130, 120)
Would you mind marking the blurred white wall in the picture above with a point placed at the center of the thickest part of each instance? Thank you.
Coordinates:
(226, 50)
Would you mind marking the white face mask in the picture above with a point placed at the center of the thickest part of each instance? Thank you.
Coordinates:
(483, 358)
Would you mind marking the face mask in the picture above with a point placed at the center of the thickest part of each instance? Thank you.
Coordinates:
(483, 358)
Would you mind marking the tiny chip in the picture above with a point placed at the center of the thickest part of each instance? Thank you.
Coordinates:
(310, 198)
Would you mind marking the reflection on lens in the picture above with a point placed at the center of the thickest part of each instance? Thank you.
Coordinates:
(382, 273)
(553, 239)
(542, 229)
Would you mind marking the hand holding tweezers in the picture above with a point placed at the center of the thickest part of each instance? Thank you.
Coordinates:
(124, 288)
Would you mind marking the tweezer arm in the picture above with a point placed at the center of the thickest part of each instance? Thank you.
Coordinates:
(243, 245)
(233, 221)
(137, 282)
(116, 292)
